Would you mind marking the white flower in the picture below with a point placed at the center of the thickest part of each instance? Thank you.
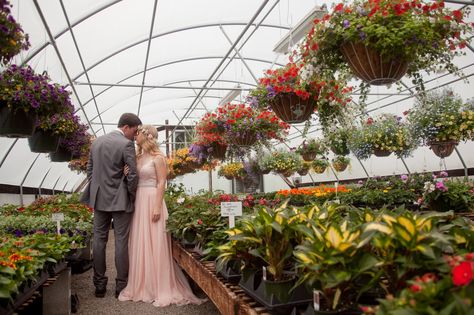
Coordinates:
(180, 200)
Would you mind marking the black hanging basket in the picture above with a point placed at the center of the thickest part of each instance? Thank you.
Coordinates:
(61, 155)
(43, 142)
(16, 124)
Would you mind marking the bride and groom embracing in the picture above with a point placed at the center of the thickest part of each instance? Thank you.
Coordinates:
(128, 186)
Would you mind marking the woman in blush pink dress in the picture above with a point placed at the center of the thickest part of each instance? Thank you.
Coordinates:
(154, 277)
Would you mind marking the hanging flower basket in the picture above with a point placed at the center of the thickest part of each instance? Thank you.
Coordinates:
(265, 171)
(246, 139)
(43, 142)
(339, 167)
(61, 155)
(309, 157)
(286, 173)
(319, 169)
(218, 151)
(303, 172)
(381, 153)
(291, 108)
(340, 150)
(17, 124)
(369, 66)
(229, 177)
(443, 148)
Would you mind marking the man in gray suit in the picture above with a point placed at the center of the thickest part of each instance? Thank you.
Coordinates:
(112, 194)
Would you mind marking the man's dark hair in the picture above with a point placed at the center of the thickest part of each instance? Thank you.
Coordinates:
(129, 119)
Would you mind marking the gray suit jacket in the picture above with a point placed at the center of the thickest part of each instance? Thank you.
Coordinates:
(109, 189)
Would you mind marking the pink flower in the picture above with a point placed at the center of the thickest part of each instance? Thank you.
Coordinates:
(404, 177)
(440, 186)
(462, 274)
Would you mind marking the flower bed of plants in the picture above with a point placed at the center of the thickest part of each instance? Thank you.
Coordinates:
(30, 239)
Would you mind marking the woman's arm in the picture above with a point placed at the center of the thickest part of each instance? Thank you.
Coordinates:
(161, 172)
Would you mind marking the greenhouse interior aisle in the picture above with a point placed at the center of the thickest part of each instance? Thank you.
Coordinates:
(82, 285)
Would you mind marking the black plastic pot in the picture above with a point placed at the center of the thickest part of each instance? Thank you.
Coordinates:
(16, 124)
(43, 142)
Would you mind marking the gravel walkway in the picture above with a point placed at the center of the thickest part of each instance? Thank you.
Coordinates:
(90, 305)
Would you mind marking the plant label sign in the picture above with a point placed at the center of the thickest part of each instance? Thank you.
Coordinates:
(231, 209)
(58, 217)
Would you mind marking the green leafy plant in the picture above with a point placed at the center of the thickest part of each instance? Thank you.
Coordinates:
(336, 139)
(311, 146)
(445, 195)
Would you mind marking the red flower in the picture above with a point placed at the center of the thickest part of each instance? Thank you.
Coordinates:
(21, 209)
(415, 288)
(470, 256)
(462, 274)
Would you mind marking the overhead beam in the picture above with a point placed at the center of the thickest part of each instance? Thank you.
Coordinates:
(53, 42)
(147, 54)
(80, 57)
(171, 87)
(192, 27)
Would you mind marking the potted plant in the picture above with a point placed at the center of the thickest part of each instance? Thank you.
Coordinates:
(72, 145)
(382, 136)
(336, 139)
(294, 92)
(441, 120)
(265, 163)
(245, 125)
(332, 259)
(58, 121)
(304, 168)
(445, 291)
(320, 165)
(310, 148)
(340, 163)
(21, 99)
(445, 195)
(285, 162)
(232, 170)
(210, 134)
(13, 39)
(382, 40)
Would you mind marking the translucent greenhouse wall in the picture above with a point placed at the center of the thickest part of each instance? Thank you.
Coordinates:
(105, 61)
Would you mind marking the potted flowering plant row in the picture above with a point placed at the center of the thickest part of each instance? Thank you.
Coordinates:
(380, 41)
(382, 136)
(13, 39)
(441, 120)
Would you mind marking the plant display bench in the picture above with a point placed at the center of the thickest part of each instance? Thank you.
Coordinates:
(228, 297)
(51, 291)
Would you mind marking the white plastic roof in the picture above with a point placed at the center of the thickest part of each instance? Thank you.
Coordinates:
(155, 58)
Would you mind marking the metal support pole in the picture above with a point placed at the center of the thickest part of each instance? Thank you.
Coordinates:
(8, 152)
(210, 180)
(42, 181)
(57, 180)
(406, 166)
(238, 53)
(363, 167)
(462, 161)
(24, 178)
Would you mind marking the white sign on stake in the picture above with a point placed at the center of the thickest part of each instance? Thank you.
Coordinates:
(58, 217)
(231, 209)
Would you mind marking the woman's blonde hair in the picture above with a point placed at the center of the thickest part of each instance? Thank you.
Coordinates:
(150, 144)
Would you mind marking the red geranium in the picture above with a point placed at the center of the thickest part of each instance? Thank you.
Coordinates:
(462, 273)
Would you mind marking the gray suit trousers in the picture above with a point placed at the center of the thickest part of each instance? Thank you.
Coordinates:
(102, 220)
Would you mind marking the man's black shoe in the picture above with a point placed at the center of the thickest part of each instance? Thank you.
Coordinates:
(100, 292)
(117, 294)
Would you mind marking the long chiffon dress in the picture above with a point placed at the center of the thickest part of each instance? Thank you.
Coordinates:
(154, 277)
